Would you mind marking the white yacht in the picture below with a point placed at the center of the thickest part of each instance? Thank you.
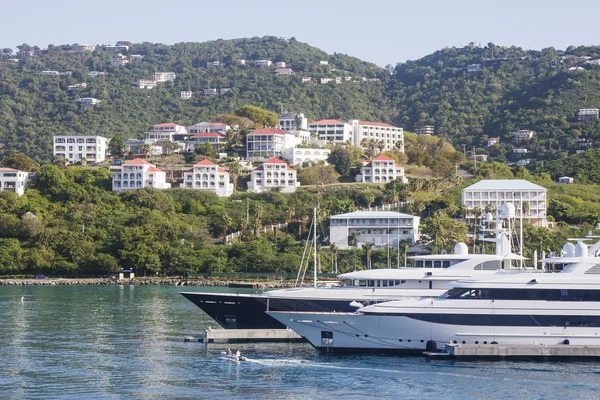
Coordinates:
(430, 277)
(508, 308)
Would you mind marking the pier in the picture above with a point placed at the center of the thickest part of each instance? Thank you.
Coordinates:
(245, 335)
(500, 351)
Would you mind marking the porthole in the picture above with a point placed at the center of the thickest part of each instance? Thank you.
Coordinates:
(476, 342)
(400, 340)
(422, 341)
(408, 340)
(484, 342)
(455, 342)
(463, 342)
(366, 335)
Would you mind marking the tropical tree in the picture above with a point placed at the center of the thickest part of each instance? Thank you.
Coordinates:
(145, 149)
(368, 251)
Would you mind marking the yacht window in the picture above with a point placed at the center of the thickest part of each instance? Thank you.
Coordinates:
(378, 283)
(437, 264)
(362, 283)
(371, 283)
(385, 283)
(446, 264)
(396, 283)
(428, 264)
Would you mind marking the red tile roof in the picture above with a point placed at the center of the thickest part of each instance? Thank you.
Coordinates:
(383, 157)
(382, 124)
(290, 169)
(136, 161)
(264, 131)
(8, 170)
(219, 169)
(326, 122)
(167, 124)
(206, 161)
(260, 168)
(275, 161)
(154, 169)
(399, 166)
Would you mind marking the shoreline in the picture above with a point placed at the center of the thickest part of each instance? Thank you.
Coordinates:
(238, 284)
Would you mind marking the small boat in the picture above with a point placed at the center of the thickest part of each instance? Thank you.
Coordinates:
(233, 357)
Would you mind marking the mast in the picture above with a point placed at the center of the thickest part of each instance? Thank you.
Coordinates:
(315, 247)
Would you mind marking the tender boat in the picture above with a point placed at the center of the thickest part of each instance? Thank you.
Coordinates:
(233, 357)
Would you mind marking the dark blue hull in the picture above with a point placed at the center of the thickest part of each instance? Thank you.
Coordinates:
(248, 312)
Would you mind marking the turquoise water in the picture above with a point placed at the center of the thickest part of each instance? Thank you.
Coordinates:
(127, 342)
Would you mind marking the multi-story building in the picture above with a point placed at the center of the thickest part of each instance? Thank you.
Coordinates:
(164, 76)
(50, 73)
(217, 140)
(381, 169)
(186, 94)
(331, 130)
(77, 86)
(210, 92)
(522, 135)
(117, 49)
(380, 228)
(496, 192)
(474, 68)
(206, 175)
(82, 47)
(13, 180)
(587, 114)
(138, 174)
(146, 83)
(284, 72)
(299, 155)
(202, 127)
(119, 60)
(326, 80)
(273, 174)
(267, 143)
(88, 101)
(78, 148)
(389, 136)
(519, 151)
(425, 130)
(262, 63)
(492, 141)
(166, 132)
(287, 121)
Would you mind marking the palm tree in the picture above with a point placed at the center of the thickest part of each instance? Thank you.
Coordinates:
(145, 149)
(380, 144)
(334, 257)
(234, 173)
(368, 249)
(226, 221)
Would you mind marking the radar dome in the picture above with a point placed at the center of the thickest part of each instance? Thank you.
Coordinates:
(569, 250)
(489, 217)
(581, 249)
(508, 210)
(461, 249)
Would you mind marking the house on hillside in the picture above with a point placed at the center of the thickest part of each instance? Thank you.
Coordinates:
(381, 169)
(267, 143)
(13, 180)
(138, 174)
(206, 175)
(78, 148)
(273, 174)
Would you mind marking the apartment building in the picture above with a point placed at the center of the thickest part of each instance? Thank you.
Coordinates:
(166, 132)
(390, 136)
(267, 143)
(380, 228)
(298, 155)
(587, 114)
(284, 72)
(186, 94)
(273, 174)
(13, 180)
(118, 60)
(82, 47)
(138, 174)
(496, 192)
(206, 175)
(215, 127)
(262, 63)
(380, 170)
(331, 130)
(146, 83)
(164, 76)
(522, 135)
(77, 148)
(217, 140)
(425, 130)
(287, 121)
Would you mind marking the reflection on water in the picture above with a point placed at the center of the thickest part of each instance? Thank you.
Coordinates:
(127, 342)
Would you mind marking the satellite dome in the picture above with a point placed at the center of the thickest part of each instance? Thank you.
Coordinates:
(581, 249)
(461, 249)
(569, 250)
(508, 210)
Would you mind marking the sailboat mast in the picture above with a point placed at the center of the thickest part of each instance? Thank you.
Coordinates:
(315, 247)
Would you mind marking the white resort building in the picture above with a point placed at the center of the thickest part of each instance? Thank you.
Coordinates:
(78, 148)
(381, 228)
(300, 155)
(390, 136)
(203, 127)
(164, 76)
(497, 192)
(206, 175)
(217, 140)
(138, 174)
(287, 121)
(331, 130)
(380, 170)
(273, 174)
(267, 143)
(13, 180)
(166, 132)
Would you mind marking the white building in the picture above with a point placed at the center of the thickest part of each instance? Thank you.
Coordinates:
(118, 60)
(202, 127)
(331, 130)
(186, 94)
(520, 151)
(166, 132)
(77, 86)
(587, 114)
(82, 47)
(280, 64)
(522, 135)
(138, 174)
(164, 76)
(117, 49)
(273, 174)
(306, 79)
(425, 130)
(206, 175)
(284, 72)
(210, 92)
(13, 180)
(50, 73)
(95, 74)
(240, 62)
(381, 228)
(299, 155)
(217, 140)
(390, 136)
(287, 121)
(77, 148)
(565, 179)
(474, 68)
(224, 90)
(496, 192)
(262, 63)
(326, 80)
(213, 64)
(146, 83)
(380, 170)
(492, 141)
(88, 101)
(267, 143)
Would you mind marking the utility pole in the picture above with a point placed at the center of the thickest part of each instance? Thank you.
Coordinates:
(475, 159)
(247, 212)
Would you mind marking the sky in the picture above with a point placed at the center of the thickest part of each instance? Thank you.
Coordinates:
(379, 31)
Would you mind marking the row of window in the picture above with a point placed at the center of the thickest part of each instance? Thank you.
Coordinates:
(73, 140)
(525, 294)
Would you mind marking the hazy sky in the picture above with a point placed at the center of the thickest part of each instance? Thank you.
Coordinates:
(380, 31)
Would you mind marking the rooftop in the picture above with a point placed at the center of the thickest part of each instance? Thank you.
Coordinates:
(373, 214)
(136, 161)
(264, 131)
(206, 161)
(208, 134)
(326, 122)
(275, 161)
(383, 124)
(504, 184)
(383, 157)
(8, 170)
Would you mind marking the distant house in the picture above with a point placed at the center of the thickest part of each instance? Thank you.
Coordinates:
(273, 174)
(77, 148)
(587, 114)
(164, 76)
(213, 64)
(210, 92)
(574, 70)
(284, 72)
(262, 63)
(118, 60)
(322, 62)
(425, 130)
(146, 83)
(138, 174)
(217, 140)
(206, 175)
(240, 62)
(204, 127)
(267, 143)
(326, 80)
(88, 101)
(50, 73)
(520, 151)
(298, 155)
(224, 90)
(565, 180)
(82, 47)
(186, 94)
(13, 180)
(287, 121)
(522, 135)
(280, 64)
(166, 132)
(381, 169)
(306, 79)
(493, 141)
(474, 68)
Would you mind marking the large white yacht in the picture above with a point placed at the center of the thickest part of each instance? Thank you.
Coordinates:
(508, 308)
(430, 277)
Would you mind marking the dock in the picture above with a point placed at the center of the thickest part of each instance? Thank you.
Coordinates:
(499, 351)
(245, 335)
